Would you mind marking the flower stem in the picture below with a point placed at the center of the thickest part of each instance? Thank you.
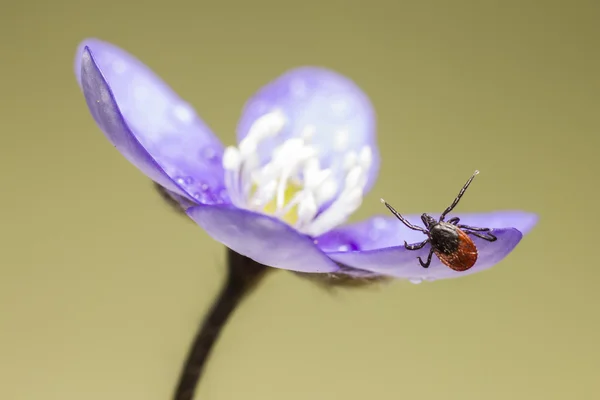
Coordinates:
(242, 275)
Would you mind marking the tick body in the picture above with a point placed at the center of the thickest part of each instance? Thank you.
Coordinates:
(453, 246)
(450, 241)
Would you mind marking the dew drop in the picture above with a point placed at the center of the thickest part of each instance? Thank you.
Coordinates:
(224, 195)
(183, 113)
(205, 197)
(379, 223)
(298, 88)
(210, 154)
(119, 66)
(415, 281)
(204, 187)
(349, 246)
(184, 180)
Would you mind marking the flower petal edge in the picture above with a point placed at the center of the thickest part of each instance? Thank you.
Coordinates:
(262, 238)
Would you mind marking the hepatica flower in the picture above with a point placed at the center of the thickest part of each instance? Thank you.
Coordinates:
(306, 156)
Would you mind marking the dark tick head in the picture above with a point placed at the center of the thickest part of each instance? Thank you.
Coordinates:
(428, 221)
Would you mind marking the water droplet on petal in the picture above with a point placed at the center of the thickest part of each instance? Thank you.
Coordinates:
(204, 197)
(204, 187)
(210, 154)
(224, 195)
(183, 112)
(298, 88)
(349, 246)
(415, 281)
(184, 180)
(379, 223)
(119, 66)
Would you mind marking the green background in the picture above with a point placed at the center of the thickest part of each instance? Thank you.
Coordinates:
(102, 286)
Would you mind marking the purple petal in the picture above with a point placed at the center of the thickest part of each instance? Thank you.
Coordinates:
(402, 263)
(149, 124)
(387, 231)
(262, 238)
(334, 107)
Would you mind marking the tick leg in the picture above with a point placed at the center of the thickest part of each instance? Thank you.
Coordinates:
(487, 236)
(402, 219)
(454, 220)
(472, 228)
(426, 264)
(415, 246)
(457, 199)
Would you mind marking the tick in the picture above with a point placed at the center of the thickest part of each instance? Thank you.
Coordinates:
(449, 240)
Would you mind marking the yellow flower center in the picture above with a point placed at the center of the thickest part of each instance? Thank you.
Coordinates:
(291, 216)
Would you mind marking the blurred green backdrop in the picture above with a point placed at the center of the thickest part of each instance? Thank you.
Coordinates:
(102, 286)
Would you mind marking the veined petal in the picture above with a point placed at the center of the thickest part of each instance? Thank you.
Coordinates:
(402, 263)
(386, 231)
(149, 124)
(328, 109)
(262, 238)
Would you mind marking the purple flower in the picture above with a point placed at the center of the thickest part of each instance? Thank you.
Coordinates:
(306, 157)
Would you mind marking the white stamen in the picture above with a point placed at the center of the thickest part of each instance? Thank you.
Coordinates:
(283, 180)
(350, 159)
(268, 125)
(308, 132)
(291, 157)
(354, 176)
(326, 191)
(231, 159)
(264, 194)
(247, 146)
(313, 175)
(245, 179)
(366, 157)
(318, 201)
(307, 209)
